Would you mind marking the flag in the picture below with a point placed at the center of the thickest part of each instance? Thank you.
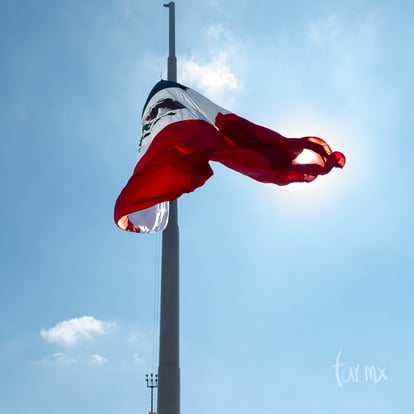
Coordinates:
(182, 131)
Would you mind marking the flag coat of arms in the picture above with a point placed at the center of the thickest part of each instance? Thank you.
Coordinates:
(182, 131)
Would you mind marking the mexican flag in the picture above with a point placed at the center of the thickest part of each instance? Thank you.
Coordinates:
(182, 131)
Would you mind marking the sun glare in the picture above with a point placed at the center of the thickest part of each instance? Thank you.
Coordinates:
(308, 157)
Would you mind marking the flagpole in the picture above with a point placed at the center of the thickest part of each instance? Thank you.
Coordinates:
(168, 401)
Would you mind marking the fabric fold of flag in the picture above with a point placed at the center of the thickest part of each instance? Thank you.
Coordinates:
(182, 131)
(269, 157)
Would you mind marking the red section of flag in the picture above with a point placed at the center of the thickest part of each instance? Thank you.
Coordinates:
(269, 157)
(175, 163)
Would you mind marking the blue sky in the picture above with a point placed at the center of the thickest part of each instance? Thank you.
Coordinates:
(288, 295)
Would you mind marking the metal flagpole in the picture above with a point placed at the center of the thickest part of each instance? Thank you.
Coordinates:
(168, 401)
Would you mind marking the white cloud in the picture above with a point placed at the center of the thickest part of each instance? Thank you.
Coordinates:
(323, 30)
(136, 358)
(98, 360)
(215, 4)
(57, 358)
(214, 75)
(132, 337)
(69, 333)
(63, 358)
